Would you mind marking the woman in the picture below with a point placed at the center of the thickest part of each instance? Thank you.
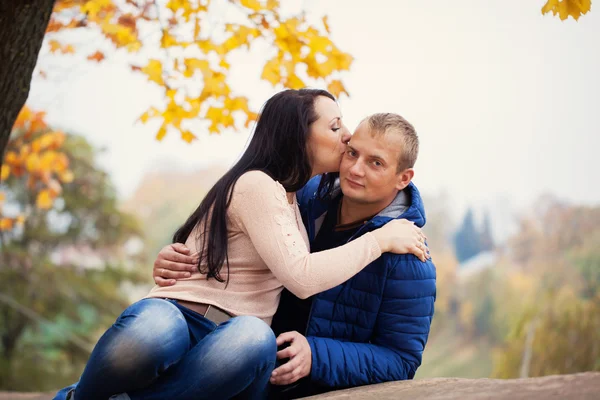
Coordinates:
(174, 343)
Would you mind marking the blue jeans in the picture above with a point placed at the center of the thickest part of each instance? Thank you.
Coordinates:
(158, 349)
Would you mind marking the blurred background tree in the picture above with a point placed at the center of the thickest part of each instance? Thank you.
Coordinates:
(66, 252)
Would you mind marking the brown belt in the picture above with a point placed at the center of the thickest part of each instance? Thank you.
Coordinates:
(210, 312)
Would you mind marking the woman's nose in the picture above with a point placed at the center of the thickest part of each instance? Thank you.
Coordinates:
(346, 136)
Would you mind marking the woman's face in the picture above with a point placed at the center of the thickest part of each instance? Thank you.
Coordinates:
(328, 137)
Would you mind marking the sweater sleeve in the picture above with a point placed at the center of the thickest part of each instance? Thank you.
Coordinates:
(259, 206)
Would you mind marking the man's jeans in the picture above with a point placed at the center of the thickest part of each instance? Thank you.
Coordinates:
(158, 349)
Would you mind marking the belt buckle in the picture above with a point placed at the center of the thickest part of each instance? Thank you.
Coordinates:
(215, 315)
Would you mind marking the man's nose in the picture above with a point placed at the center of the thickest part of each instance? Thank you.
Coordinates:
(357, 169)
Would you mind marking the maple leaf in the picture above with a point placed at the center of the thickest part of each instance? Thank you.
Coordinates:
(97, 56)
(566, 8)
(154, 72)
(336, 88)
(272, 71)
(188, 136)
(167, 40)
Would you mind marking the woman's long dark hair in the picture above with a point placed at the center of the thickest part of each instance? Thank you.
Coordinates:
(277, 148)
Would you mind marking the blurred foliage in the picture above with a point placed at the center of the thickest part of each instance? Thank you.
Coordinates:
(534, 312)
(62, 266)
(194, 47)
(34, 157)
(470, 240)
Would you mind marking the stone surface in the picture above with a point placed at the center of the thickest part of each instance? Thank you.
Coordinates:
(584, 386)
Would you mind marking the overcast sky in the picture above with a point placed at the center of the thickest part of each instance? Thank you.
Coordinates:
(506, 102)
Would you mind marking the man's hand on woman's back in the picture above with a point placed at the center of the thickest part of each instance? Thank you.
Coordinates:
(173, 262)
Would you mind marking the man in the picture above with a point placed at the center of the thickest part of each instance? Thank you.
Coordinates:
(372, 328)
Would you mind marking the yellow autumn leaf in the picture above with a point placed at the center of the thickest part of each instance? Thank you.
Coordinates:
(272, 5)
(161, 132)
(320, 44)
(150, 113)
(24, 116)
(44, 142)
(60, 162)
(154, 72)
(45, 161)
(188, 136)
(251, 4)
(294, 82)
(336, 88)
(224, 64)
(193, 64)
(2, 197)
(32, 162)
(92, 7)
(54, 46)
(20, 220)
(167, 40)
(215, 85)
(566, 8)
(6, 224)
(272, 71)
(44, 200)
(4, 173)
(237, 103)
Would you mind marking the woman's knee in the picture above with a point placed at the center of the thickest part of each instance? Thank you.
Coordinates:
(256, 337)
(150, 331)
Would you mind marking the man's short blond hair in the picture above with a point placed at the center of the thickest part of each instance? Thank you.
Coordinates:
(390, 123)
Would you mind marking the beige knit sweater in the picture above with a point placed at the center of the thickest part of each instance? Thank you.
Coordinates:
(268, 249)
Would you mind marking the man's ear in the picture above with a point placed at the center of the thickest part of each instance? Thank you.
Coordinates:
(404, 178)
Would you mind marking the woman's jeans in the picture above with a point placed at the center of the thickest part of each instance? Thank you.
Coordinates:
(158, 349)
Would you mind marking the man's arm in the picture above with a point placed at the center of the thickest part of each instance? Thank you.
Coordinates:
(402, 329)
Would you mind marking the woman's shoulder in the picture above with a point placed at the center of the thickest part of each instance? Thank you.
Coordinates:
(258, 182)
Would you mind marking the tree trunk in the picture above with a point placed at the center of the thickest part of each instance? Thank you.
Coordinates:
(22, 27)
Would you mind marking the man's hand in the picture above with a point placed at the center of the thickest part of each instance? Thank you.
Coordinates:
(174, 262)
(300, 357)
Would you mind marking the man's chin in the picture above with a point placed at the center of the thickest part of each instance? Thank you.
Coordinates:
(351, 191)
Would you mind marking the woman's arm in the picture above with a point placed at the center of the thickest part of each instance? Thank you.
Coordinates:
(259, 206)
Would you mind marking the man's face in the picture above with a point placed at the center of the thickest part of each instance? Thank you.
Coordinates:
(368, 172)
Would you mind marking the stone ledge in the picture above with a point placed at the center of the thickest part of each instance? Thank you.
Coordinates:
(581, 386)
(584, 386)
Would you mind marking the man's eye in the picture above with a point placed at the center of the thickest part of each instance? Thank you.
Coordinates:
(377, 163)
(335, 129)
(351, 153)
